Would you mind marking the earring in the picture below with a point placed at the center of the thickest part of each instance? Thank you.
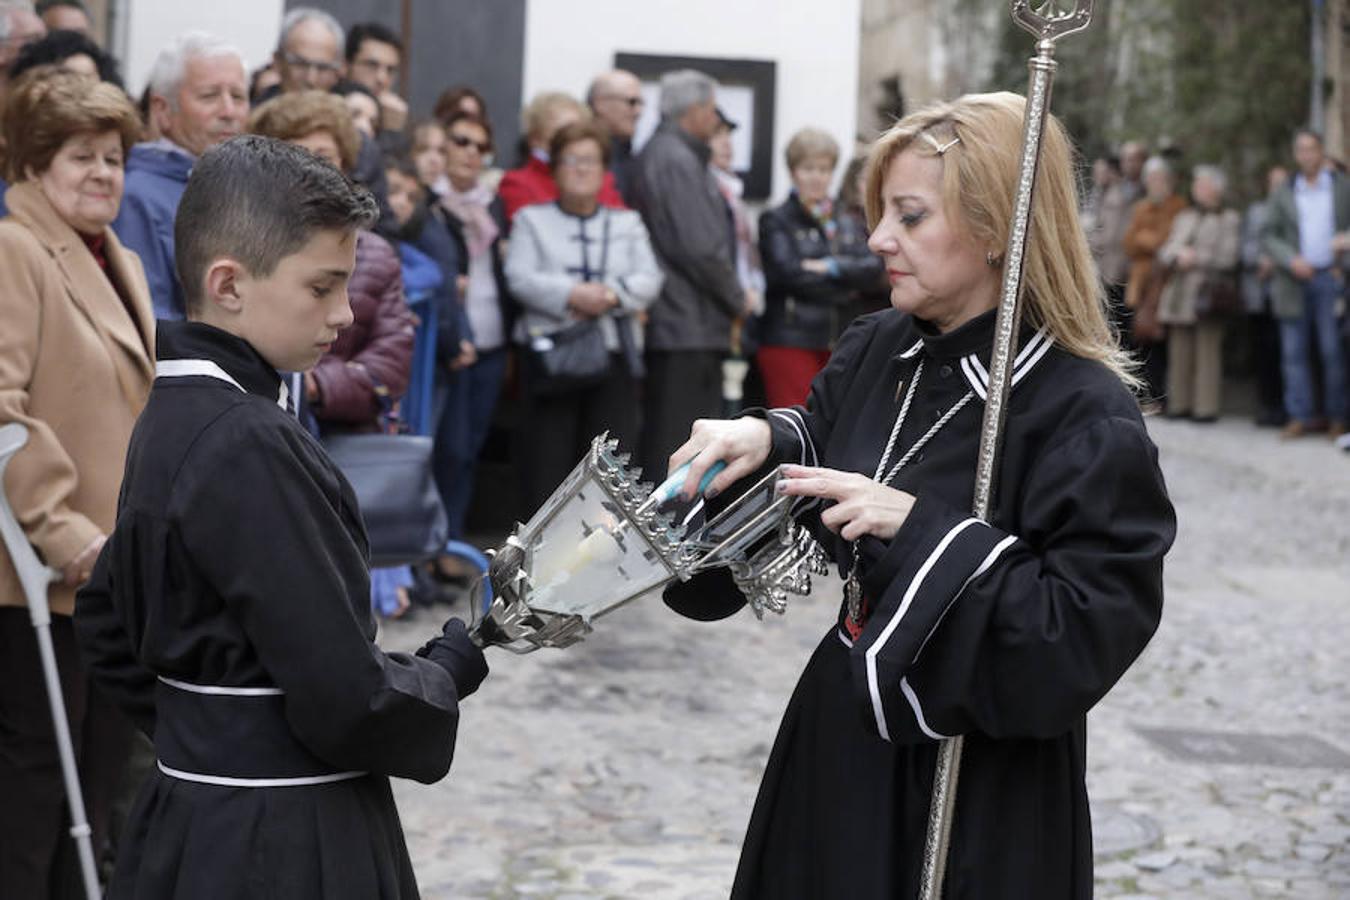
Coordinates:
(993, 261)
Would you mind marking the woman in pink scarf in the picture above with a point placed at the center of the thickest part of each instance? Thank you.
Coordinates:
(473, 379)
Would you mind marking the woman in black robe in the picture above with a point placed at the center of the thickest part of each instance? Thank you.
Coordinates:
(1006, 633)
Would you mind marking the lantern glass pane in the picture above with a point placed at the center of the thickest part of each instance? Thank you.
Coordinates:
(588, 557)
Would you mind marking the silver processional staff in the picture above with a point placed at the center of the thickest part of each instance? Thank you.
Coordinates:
(1048, 21)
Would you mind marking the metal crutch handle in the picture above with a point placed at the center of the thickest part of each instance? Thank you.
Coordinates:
(35, 578)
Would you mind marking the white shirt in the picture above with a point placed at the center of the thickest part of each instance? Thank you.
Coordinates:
(480, 300)
(1316, 219)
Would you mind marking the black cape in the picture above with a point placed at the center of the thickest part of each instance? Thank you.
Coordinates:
(229, 615)
(1005, 633)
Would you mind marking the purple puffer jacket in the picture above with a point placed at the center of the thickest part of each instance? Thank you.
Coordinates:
(376, 349)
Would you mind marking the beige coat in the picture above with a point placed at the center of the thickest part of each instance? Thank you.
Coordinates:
(76, 370)
(1215, 238)
(1150, 224)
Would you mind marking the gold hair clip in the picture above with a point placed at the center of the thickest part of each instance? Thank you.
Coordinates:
(940, 149)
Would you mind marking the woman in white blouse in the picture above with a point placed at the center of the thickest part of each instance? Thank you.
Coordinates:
(583, 275)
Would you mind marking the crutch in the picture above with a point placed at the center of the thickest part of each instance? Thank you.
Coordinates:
(35, 578)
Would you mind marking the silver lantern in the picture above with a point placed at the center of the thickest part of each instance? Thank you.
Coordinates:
(603, 540)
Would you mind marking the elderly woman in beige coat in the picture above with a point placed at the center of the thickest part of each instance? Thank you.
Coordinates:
(76, 362)
(1202, 248)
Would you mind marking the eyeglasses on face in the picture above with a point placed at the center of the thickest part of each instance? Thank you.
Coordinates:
(296, 61)
(460, 140)
(635, 102)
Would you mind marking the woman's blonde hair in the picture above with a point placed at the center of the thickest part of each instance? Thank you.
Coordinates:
(1061, 289)
(809, 143)
(538, 114)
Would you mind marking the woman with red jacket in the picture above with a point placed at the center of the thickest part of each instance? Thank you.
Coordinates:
(533, 182)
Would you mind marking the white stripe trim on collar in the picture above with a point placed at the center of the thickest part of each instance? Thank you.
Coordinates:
(912, 351)
(1027, 358)
(189, 368)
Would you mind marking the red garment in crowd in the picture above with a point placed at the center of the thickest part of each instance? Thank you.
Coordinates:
(787, 373)
(533, 183)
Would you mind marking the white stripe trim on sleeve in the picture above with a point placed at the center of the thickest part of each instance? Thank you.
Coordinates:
(795, 419)
(801, 433)
(984, 566)
(221, 690)
(915, 583)
(918, 711)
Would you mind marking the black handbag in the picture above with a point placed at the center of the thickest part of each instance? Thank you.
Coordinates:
(573, 357)
(396, 493)
(570, 359)
(1218, 296)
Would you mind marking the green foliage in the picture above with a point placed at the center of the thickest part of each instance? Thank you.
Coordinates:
(1221, 81)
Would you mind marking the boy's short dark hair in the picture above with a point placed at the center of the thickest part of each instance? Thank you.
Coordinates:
(370, 31)
(258, 200)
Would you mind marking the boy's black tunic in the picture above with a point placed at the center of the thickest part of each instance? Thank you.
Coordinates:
(1006, 634)
(230, 616)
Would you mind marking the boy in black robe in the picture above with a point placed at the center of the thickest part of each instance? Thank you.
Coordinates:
(229, 613)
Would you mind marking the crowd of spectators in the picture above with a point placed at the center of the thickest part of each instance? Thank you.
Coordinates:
(592, 286)
(1181, 276)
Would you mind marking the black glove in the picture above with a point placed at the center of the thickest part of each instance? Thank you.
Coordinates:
(453, 651)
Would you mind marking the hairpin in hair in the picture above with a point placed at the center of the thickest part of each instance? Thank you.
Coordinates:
(940, 149)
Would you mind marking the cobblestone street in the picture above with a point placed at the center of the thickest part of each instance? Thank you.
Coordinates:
(1220, 766)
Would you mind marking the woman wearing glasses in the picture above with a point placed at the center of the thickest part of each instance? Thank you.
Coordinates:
(583, 274)
(547, 114)
(473, 377)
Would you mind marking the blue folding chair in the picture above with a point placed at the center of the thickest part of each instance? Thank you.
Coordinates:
(419, 404)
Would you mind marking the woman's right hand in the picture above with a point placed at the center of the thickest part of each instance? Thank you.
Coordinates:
(589, 299)
(743, 444)
(77, 571)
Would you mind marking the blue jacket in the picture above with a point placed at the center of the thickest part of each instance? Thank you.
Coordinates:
(436, 241)
(4, 186)
(156, 178)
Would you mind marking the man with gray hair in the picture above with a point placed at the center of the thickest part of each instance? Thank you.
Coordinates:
(309, 57)
(198, 98)
(19, 27)
(689, 331)
(309, 52)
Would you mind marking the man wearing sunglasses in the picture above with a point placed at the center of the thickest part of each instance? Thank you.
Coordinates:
(615, 98)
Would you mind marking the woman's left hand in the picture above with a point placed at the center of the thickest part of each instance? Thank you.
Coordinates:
(861, 506)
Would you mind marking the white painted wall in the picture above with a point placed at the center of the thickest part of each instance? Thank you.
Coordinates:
(815, 45)
(146, 26)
